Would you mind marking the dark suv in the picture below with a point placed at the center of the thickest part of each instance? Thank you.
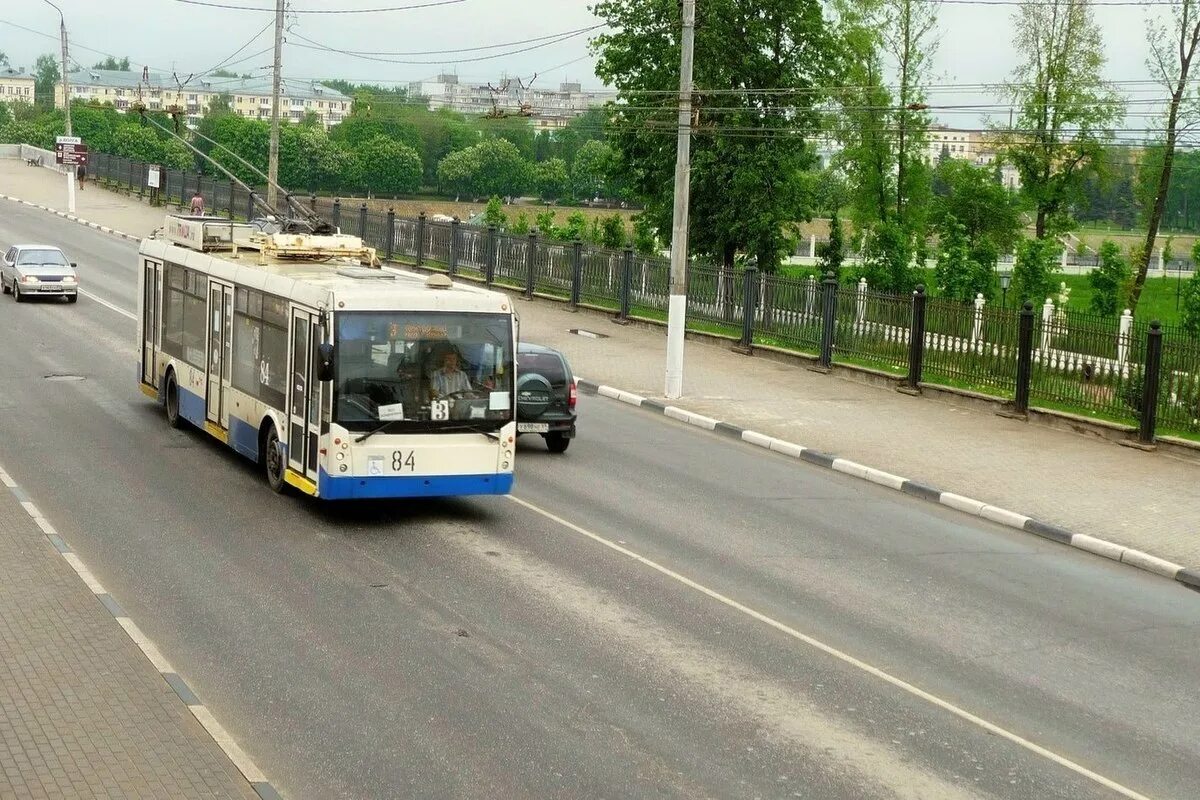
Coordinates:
(546, 395)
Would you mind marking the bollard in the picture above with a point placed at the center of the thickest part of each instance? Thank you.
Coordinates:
(916, 341)
(453, 266)
(576, 273)
(749, 308)
(337, 214)
(828, 320)
(362, 222)
(389, 238)
(1150, 383)
(626, 284)
(1024, 359)
(489, 270)
(530, 263)
(250, 205)
(420, 238)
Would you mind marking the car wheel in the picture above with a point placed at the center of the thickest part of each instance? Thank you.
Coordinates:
(17, 293)
(557, 442)
(72, 298)
(3, 286)
(174, 419)
(273, 461)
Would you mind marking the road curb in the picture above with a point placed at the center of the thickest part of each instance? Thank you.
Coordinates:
(74, 218)
(1189, 577)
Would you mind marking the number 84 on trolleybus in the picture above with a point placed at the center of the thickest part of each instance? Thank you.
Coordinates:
(342, 378)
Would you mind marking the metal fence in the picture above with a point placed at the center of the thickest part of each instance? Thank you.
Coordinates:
(1109, 368)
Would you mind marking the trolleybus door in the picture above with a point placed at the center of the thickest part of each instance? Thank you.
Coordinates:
(304, 395)
(220, 350)
(151, 271)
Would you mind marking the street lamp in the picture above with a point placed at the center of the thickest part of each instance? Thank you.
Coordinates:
(62, 27)
(1005, 280)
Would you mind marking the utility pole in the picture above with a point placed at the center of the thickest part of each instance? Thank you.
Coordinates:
(66, 87)
(273, 161)
(677, 310)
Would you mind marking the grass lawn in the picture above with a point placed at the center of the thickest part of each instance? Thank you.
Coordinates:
(1158, 299)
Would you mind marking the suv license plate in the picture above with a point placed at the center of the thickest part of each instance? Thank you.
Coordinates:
(533, 427)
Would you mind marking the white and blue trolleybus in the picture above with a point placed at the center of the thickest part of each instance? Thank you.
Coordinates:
(341, 377)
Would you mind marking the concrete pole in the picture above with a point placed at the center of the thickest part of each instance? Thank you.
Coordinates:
(677, 309)
(273, 162)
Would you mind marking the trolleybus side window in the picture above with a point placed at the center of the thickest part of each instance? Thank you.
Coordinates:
(260, 343)
(185, 315)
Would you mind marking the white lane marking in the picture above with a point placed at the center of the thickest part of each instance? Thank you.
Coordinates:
(846, 658)
(45, 525)
(107, 304)
(226, 743)
(145, 645)
(30, 509)
(84, 573)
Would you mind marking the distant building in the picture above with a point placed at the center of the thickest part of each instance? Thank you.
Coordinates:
(979, 147)
(249, 97)
(16, 86)
(547, 109)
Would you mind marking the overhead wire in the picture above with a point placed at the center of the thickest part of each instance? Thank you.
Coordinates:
(235, 7)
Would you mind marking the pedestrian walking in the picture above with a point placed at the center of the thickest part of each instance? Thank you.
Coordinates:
(80, 173)
(197, 204)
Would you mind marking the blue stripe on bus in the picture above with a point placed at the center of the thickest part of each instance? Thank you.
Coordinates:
(191, 407)
(243, 437)
(359, 488)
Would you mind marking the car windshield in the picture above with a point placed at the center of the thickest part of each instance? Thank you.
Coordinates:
(422, 370)
(43, 256)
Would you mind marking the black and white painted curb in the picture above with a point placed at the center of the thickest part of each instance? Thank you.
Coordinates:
(978, 508)
(257, 780)
(73, 218)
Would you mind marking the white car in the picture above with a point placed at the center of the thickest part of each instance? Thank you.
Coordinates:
(38, 270)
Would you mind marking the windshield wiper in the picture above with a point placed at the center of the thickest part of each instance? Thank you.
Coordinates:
(475, 428)
(371, 433)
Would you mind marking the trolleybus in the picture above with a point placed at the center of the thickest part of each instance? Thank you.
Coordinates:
(341, 377)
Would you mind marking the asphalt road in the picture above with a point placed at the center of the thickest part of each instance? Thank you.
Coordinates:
(658, 613)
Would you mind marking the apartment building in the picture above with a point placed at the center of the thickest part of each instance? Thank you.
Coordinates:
(548, 109)
(249, 97)
(16, 85)
(980, 147)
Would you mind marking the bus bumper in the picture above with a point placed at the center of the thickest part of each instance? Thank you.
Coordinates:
(362, 488)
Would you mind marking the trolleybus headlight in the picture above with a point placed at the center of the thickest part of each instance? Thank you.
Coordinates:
(342, 468)
(341, 456)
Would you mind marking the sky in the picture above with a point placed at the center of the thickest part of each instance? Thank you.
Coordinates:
(975, 41)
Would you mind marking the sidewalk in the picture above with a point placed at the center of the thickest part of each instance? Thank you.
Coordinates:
(1147, 501)
(83, 713)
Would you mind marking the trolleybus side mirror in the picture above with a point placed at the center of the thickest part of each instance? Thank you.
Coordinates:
(325, 362)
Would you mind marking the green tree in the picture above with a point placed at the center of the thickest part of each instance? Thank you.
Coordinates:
(613, 231)
(545, 224)
(989, 213)
(5, 115)
(589, 174)
(520, 226)
(959, 272)
(46, 77)
(1190, 309)
(1170, 61)
(494, 213)
(111, 63)
(223, 73)
(309, 160)
(1109, 281)
(137, 143)
(1034, 270)
(645, 238)
(576, 227)
(3, 59)
(887, 258)
(833, 252)
(221, 103)
(747, 187)
(1064, 107)
(20, 132)
(492, 167)
(386, 166)
(550, 178)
